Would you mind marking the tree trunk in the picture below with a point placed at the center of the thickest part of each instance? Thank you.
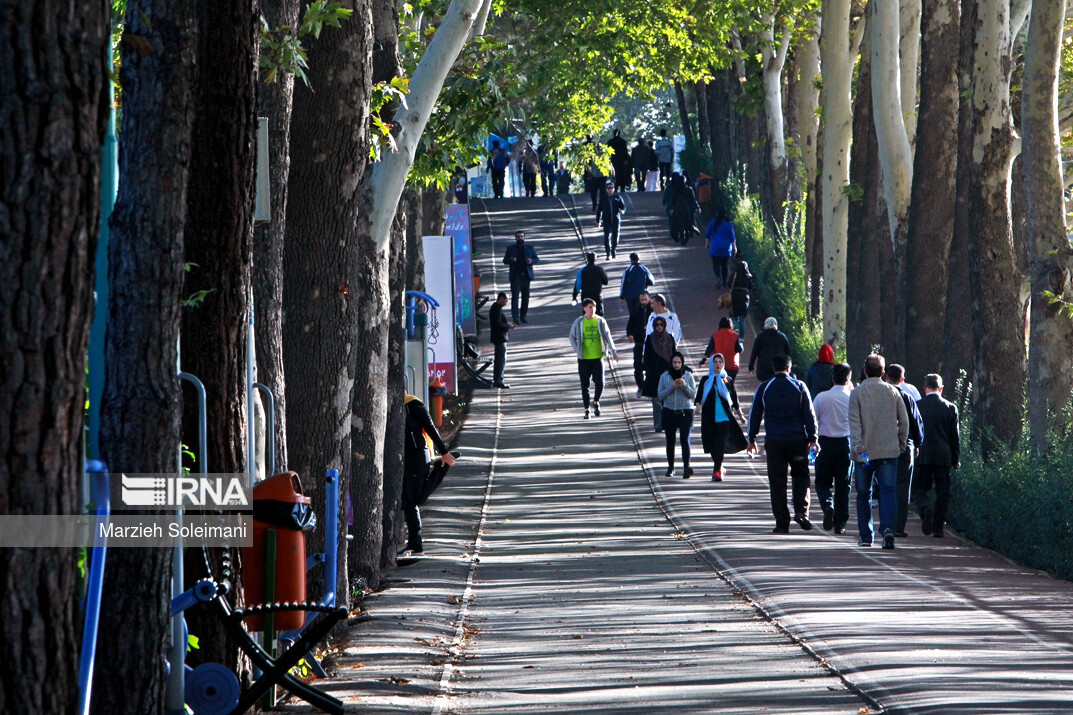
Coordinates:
(700, 92)
(720, 117)
(140, 415)
(909, 65)
(324, 297)
(54, 87)
(274, 101)
(997, 317)
(958, 338)
(683, 112)
(895, 157)
(837, 65)
(217, 245)
(931, 209)
(807, 69)
(1049, 379)
(774, 59)
(415, 257)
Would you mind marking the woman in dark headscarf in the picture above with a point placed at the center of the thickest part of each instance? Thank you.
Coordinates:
(718, 402)
(681, 203)
(659, 347)
(740, 285)
(676, 393)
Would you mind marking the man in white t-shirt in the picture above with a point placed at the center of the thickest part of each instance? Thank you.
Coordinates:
(833, 462)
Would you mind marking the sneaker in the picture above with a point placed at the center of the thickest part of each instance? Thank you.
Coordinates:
(828, 519)
(803, 522)
(781, 529)
(687, 473)
(638, 395)
(717, 475)
(864, 544)
(926, 521)
(938, 533)
(501, 385)
(840, 530)
(586, 415)
(524, 320)
(888, 540)
(901, 534)
(670, 472)
(596, 408)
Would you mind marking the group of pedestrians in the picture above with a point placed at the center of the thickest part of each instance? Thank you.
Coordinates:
(881, 435)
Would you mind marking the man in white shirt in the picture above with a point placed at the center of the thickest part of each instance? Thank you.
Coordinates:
(833, 462)
(659, 308)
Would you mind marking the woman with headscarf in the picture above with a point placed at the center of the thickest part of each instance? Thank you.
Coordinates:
(676, 393)
(821, 374)
(718, 402)
(656, 358)
(681, 203)
(740, 285)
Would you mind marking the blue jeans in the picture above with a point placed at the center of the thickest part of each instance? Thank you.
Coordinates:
(885, 472)
(739, 324)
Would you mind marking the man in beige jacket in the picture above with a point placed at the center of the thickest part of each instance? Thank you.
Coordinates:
(878, 429)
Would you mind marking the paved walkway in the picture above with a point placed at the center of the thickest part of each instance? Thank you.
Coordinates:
(557, 583)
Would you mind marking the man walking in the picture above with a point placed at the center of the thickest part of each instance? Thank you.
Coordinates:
(790, 423)
(590, 282)
(833, 463)
(664, 150)
(591, 339)
(659, 310)
(609, 211)
(498, 334)
(639, 158)
(769, 343)
(878, 428)
(940, 453)
(498, 161)
(635, 333)
(520, 258)
(635, 280)
(895, 376)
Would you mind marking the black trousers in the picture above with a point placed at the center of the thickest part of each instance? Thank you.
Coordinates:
(719, 265)
(833, 473)
(926, 477)
(519, 290)
(791, 456)
(412, 514)
(664, 174)
(499, 362)
(639, 364)
(498, 179)
(591, 370)
(719, 437)
(678, 424)
(529, 182)
(610, 237)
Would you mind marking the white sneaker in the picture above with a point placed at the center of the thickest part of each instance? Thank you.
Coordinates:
(638, 393)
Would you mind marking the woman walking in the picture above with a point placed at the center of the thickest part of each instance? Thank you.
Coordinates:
(718, 402)
(659, 348)
(740, 285)
(726, 341)
(676, 393)
(722, 245)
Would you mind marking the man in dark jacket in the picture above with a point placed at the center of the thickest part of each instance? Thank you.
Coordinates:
(636, 332)
(895, 375)
(520, 258)
(640, 158)
(416, 465)
(940, 453)
(620, 160)
(498, 328)
(790, 424)
(635, 280)
(769, 343)
(609, 210)
(590, 282)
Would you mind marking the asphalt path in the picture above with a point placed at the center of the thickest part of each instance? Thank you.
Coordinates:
(565, 573)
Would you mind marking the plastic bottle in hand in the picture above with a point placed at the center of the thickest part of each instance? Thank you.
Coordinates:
(864, 456)
(812, 452)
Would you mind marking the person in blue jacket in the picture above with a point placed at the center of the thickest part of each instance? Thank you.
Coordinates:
(722, 245)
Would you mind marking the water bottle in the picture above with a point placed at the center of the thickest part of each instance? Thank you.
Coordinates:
(621, 308)
(864, 456)
(812, 452)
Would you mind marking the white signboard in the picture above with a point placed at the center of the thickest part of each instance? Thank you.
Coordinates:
(440, 284)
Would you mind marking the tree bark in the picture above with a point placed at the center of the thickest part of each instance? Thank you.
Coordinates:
(895, 157)
(909, 15)
(997, 286)
(700, 92)
(274, 101)
(931, 209)
(217, 244)
(140, 415)
(837, 54)
(327, 298)
(774, 59)
(1051, 257)
(54, 89)
(683, 112)
(807, 68)
(958, 340)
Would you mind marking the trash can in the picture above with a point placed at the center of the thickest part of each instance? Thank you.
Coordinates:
(279, 506)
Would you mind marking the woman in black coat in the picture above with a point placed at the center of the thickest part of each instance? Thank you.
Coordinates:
(718, 401)
(659, 347)
(740, 285)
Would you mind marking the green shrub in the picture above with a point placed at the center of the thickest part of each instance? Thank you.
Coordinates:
(1018, 504)
(778, 265)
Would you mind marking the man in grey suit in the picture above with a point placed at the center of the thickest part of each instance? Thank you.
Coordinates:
(939, 453)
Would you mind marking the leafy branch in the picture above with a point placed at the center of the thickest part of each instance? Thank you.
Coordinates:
(282, 49)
